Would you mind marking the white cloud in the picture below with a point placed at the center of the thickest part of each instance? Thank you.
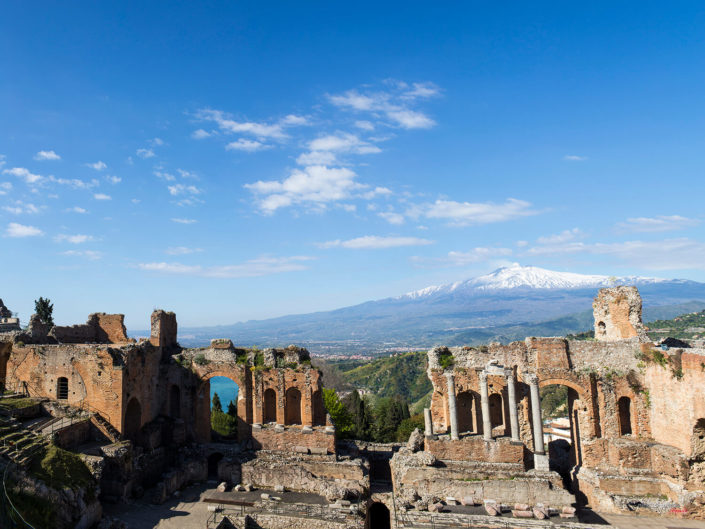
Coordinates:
(261, 266)
(20, 230)
(475, 255)
(316, 158)
(182, 189)
(102, 196)
(164, 176)
(259, 130)
(98, 166)
(365, 125)
(157, 141)
(374, 242)
(469, 213)
(24, 173)
(392, 218)
(47, 155)
(5, 187)
(668, 254)
(187, 174)
(74, 239)
(316, 184)
(393, 104)
(75, 183)
(342, 142)
(184, 221)
(2, 159)
(181, 250)
(246, 145)
(88, 254)
(135, 200)
(113, 179)
(659, 223)
(145, 153)
(574, 158)
(201, 134)
(21, 207)
(77, 209)
(560, 238)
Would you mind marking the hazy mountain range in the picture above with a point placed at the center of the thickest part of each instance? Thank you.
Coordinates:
(507, 304)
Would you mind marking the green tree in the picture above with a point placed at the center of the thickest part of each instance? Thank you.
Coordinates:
(408, 425)
(388, 415)
(215, 403)
(360, 416)
(44, 308)
(338, 412)
(232, 409)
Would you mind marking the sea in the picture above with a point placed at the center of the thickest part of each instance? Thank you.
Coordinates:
(226, 390)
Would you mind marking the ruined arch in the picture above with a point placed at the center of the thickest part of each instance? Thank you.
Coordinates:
(319, 410)
(378, 516)
(292, 406)
(133, 419)
(624, 408)
(213, 463)
(465, 403)
(269, 412)
(496, 410)
(174, 402)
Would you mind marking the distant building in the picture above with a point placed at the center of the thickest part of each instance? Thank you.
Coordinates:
(7, 321)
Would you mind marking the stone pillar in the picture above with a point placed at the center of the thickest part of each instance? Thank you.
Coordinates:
(540, 458)
(428, 422)
(452, 408)
(513, 414)
(485, 406)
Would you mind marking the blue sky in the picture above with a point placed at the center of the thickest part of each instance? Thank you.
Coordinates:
(242, 160)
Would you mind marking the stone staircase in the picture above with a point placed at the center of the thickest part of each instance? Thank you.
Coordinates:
(18, 444)
(105, 427)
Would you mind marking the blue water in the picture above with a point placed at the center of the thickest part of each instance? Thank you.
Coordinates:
(226, 390)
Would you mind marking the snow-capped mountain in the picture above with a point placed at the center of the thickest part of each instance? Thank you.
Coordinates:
(517, 276)
(507, 304)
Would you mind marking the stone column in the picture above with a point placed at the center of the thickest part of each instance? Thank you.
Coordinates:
(485, 406)
(452, 408)
(428, 423)
(511, 395)
(540, 457)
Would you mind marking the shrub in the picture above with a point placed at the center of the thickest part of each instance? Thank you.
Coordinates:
(446, 360)
(223, 424)
(201, 359)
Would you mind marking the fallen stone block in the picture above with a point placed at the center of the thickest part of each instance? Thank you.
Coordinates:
(301, 449)
(436, 507)
(467, 500)
(278, 488)
(522, 514)
(318, 450)
(238, 488)
(540, 513)
(568, 510)
(248, 487)
(521, 507)
(222, 487)
(264, 496)
(492, 509)
(451, 501)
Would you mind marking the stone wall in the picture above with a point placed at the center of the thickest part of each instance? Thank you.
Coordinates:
(474, 448)
(290, 439)
(100, 328)
(617, 313)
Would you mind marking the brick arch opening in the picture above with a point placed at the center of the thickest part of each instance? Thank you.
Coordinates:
(62, 388)
(133, 419)
(292, 406)
(174, 402)
(467, 410)
(378, 516)
(319, 410)
(269, 412)
(624, 407)
(496, 410)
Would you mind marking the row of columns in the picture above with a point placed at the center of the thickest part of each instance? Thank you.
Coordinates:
(532, 380)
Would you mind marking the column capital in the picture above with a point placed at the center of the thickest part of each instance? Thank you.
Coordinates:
(532, 378)
(483, 376)
(509, 372)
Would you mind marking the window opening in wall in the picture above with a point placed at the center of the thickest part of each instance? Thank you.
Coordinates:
(625, 416)
(62, 388)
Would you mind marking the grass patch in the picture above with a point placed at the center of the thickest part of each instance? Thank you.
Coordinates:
(17, 403)
(37, 511)
(60, 468)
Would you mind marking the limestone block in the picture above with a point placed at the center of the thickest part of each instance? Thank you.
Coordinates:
(522, 514)
(278, 488)
(467, 500)
(222, 487)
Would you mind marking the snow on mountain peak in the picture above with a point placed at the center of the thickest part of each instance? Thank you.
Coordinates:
(517, 276)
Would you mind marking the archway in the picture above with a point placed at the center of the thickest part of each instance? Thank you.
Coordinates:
(270, 406)
(213, 461)
(496, 412)
(378, 516)
(133, 419)
(319, 409)
(174, 402)
(559, 411)
(464, 403)
(624, 405)
(223, 408)
(292, 406)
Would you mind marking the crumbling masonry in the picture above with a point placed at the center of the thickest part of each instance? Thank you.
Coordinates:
(636, 414)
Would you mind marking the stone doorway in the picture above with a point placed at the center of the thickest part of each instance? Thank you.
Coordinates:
(378, 517)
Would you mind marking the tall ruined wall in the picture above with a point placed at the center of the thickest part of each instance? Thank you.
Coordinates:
(100, 328)
(163, 329)
(617, 313)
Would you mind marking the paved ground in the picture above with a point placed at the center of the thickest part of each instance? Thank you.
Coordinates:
(189, 511)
